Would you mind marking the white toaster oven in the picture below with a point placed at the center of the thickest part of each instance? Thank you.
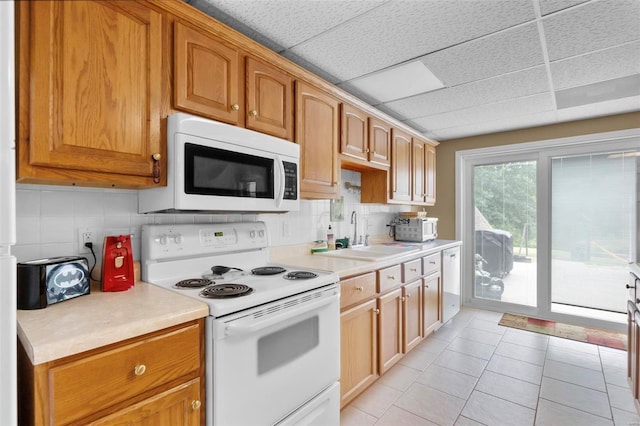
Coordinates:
(417, 229)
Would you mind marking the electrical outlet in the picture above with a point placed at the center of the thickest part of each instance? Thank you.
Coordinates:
(85, 235)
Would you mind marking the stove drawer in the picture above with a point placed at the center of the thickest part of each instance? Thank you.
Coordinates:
(90, 384)
(356, 289)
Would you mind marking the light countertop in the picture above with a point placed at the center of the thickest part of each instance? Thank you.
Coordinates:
(300, 256)
(99, 319)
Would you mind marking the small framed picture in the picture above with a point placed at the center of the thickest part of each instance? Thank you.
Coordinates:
(337, 210)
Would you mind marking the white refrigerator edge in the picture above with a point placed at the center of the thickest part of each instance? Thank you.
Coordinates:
(8, 372)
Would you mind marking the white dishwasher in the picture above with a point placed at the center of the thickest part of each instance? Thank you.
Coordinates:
(450, 283)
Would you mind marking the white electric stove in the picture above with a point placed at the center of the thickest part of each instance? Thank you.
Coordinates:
(270, 326)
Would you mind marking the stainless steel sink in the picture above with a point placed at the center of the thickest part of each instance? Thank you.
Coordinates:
(370, 253)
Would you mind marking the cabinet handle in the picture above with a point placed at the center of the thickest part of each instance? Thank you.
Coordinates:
(367, 150)
(253, 113)
(140, 369)
(432, 262)
(196, 404)
(408, 295)
(360, 288)
(413, 270)
(426, 286)
(156, 167)
(376, 311)
(402, 299)
(630, 286)
(391, 277)
(235, 107)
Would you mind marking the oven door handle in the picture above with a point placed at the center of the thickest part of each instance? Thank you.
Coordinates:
(249, 327)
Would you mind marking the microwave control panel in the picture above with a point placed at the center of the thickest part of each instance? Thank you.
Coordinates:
(290, 180)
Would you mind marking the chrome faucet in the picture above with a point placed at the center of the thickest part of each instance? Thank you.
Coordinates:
(354, 222)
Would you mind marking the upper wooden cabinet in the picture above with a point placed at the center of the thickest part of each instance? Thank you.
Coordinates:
(400, 166)
(364, 138)
(317, 132)
(206, 76)
(89, 95)
(379, 142)
(269, 100)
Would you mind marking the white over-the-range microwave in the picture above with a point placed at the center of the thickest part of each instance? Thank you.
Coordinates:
(217, 167)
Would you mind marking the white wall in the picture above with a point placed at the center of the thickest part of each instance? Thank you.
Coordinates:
(49, 217)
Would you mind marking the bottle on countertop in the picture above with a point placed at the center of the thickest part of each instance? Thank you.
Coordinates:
(331, 242)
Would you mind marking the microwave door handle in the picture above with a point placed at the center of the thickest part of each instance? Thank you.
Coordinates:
(281, 181)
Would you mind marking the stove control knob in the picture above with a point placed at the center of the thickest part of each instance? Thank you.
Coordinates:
(252, 234)
(178, 239)
(164, 240)
(261, 234)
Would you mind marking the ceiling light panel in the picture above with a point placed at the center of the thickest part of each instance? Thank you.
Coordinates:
(495, 89)
(398, 82)
(599, 92)
(500, 53)
(591, 68)
(379, 39)
(497, 111)
(593, 26)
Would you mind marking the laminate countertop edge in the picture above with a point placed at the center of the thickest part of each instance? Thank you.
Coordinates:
(99, 319)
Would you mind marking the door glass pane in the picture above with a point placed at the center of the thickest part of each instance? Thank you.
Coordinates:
(505, 232)
(592, 230)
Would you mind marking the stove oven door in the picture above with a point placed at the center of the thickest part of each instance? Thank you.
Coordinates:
(267, 362)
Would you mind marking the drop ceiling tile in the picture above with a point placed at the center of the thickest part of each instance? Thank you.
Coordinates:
(603, 65)
(379, 39)
(593, 26)
(289, 22)
(617, 88)
(485, 113)
(512, 123)
(320, 72)
(550, 6)
(504, 52)
(495, 89)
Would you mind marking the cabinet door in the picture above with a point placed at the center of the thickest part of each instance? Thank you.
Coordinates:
(317, 132)
(269, 100)
(179, 406)
(358, 350)
(390, 325)
(94, 93)
(431, 303)
(412, 315)
(206, 76)
(354, 140)
(418, 191)
(430, 174)
(400, 166)
(379, 142)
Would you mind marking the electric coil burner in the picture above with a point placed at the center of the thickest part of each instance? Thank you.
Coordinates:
(268, 270)
(300, 275)
(194, 283)
(223, 291)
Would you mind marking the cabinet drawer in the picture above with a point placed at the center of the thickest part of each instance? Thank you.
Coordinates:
(356, 289)
(411, 270)
(431, 263)
(88, 385)
(389, 278)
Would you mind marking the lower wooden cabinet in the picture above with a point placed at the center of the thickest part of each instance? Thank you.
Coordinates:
(158, 376)
(390, 306)
(358, 349)
(412, 315)
(431, 303)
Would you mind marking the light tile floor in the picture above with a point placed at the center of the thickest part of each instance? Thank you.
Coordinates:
(473, 371)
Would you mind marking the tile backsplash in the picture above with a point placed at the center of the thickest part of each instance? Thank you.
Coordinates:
(49, 218)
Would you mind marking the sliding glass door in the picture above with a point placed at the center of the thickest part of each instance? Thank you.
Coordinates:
(504, 230)
(548, 228)
(593, 200)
